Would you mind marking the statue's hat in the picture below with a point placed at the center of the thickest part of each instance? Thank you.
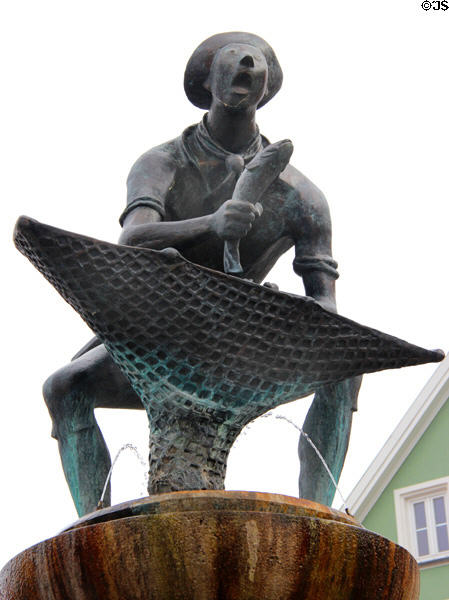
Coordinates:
(198, 67)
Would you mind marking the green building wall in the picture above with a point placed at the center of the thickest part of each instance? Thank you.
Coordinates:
(428, 460)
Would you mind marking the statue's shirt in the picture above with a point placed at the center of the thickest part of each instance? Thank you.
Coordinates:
(191, 176)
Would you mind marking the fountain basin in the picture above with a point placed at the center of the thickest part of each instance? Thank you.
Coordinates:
(209, 545)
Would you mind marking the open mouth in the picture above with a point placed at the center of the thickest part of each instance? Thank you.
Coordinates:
(241, 84)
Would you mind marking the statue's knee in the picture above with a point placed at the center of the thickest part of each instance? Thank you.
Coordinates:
(55, 389)
(66, 394)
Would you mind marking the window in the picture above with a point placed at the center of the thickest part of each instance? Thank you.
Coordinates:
(422, 515)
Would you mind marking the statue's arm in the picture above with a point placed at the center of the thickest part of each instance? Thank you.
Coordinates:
(312, 233)
(144, 227)
(145, 221)
(328, 421)
(321, 287)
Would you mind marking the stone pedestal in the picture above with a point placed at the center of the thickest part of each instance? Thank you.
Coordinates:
(213, 545)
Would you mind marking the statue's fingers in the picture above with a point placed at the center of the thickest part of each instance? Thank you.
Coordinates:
(242, 207)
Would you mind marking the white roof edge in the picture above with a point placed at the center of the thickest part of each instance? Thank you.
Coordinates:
(401, 442)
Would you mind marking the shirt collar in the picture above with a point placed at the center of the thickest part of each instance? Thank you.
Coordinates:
(208, 144)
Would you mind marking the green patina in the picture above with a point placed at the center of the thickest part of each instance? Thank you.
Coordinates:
(206, 353)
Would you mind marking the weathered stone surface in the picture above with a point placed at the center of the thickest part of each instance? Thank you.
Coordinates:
(212, 545)
(215, 500)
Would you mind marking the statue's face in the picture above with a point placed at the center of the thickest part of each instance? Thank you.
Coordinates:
(238, 76)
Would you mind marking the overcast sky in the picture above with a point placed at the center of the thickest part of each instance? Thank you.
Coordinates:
(89, 86)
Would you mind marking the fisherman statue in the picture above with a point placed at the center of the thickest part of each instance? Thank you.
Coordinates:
(225, 199)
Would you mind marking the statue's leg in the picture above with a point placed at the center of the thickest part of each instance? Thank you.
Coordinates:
(328, 424)
(71, 394)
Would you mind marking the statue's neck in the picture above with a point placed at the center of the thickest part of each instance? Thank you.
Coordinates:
(234, 130)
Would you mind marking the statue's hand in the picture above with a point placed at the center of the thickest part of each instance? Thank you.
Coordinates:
(235, 218)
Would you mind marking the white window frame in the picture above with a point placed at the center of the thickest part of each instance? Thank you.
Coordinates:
(404, 498)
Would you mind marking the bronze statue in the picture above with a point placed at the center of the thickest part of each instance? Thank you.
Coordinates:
(218, 189)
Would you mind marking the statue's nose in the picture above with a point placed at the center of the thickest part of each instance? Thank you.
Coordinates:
(247, 61)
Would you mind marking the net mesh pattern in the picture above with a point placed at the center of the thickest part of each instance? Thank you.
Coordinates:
(206, 352)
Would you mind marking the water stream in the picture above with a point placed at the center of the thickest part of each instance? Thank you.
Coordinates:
(270, 414)
(133, 449)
